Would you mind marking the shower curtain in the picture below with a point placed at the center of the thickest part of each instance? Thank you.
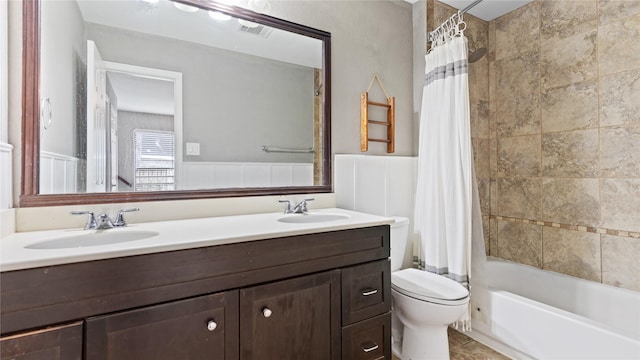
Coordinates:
(447, 209)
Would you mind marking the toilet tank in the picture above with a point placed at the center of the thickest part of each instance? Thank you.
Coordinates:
(399, 240)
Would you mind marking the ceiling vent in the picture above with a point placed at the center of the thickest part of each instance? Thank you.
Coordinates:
(259, 30)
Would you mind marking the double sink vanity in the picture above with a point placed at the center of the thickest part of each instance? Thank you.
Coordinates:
(261, 286)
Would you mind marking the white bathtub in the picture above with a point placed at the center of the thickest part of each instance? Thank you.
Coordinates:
(545, 315)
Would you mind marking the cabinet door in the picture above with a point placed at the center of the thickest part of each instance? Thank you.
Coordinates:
(205, 327)
(292, 319)
(63, 343)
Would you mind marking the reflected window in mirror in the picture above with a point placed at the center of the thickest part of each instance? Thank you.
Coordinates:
(155, 159)
(246, 98)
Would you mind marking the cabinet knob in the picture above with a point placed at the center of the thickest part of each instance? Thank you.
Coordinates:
(211, 325)
(266, 312)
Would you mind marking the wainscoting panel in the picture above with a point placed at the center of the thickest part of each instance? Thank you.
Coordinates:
(6, 177)
(214, 175)
(379, 185)
(58, 173)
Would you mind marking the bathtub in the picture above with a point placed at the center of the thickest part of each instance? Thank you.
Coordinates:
(538, 314)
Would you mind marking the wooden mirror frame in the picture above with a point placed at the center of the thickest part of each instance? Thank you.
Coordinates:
(31, 120)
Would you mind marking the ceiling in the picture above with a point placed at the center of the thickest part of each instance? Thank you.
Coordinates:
(143, 94)
(162, 18)
(486, 10)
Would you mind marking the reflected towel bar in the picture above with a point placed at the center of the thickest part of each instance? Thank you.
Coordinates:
(287, 150)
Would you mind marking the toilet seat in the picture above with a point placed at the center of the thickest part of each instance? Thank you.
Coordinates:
(426, 286)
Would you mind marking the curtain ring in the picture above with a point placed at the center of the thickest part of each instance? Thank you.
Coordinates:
(459, 30)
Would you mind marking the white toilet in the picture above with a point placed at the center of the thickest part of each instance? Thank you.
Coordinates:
(424, 304)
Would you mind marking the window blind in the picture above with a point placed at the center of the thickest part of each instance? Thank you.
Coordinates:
(154, 160)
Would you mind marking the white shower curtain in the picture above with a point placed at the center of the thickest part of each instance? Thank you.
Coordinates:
(447, 209)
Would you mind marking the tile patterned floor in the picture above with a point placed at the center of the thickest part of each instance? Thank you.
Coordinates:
(462, 347)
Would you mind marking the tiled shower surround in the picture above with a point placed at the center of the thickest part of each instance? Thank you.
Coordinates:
(555, 115)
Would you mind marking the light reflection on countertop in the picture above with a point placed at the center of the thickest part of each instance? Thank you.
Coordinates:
(173, 235)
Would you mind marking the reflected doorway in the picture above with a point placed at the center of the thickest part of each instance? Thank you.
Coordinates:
(143, 101)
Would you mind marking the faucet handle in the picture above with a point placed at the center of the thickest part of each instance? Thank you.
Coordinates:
(91, 222)
(120, 217)
(303, 204)
(287, 208)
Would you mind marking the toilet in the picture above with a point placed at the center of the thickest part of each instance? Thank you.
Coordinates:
(424, 304)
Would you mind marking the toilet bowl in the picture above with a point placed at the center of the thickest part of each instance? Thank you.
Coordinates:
(424, 304)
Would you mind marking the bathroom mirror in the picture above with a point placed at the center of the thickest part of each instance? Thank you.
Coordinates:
(141, 100)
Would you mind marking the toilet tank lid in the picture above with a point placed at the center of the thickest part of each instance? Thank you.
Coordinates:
(399, 221)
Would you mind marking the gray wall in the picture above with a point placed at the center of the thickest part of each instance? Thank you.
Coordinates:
(232, 103)
(367, 37)
(4, 84)
(63, 50)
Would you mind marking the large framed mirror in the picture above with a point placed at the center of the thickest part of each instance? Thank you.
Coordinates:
(143, 100)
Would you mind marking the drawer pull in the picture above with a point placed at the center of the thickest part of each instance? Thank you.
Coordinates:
(211, 325)
(369, 347)
(368, 292)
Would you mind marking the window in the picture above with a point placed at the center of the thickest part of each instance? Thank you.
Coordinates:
(154, 160)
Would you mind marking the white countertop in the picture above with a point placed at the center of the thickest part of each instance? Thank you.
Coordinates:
(172, 235)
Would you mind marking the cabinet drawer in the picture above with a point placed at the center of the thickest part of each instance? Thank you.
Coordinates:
(63, 343)
(369, 339)
(366, 291)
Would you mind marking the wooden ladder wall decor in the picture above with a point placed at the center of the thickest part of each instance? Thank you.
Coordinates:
(364, 118)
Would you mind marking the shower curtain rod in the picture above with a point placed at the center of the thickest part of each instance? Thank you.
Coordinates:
(469, 7)
(460, 12)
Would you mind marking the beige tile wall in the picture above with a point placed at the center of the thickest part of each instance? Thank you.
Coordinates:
(555, 123)
(564, 148)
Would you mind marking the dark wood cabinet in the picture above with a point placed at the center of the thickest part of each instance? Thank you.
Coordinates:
(55, 343)
(292, 319)
(205, 327)
(315, 296)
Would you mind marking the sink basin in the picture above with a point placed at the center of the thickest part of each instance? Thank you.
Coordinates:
(95, 238)
(311, 218)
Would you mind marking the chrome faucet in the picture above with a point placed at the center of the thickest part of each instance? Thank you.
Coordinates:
(300, 208)
(103, 221)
